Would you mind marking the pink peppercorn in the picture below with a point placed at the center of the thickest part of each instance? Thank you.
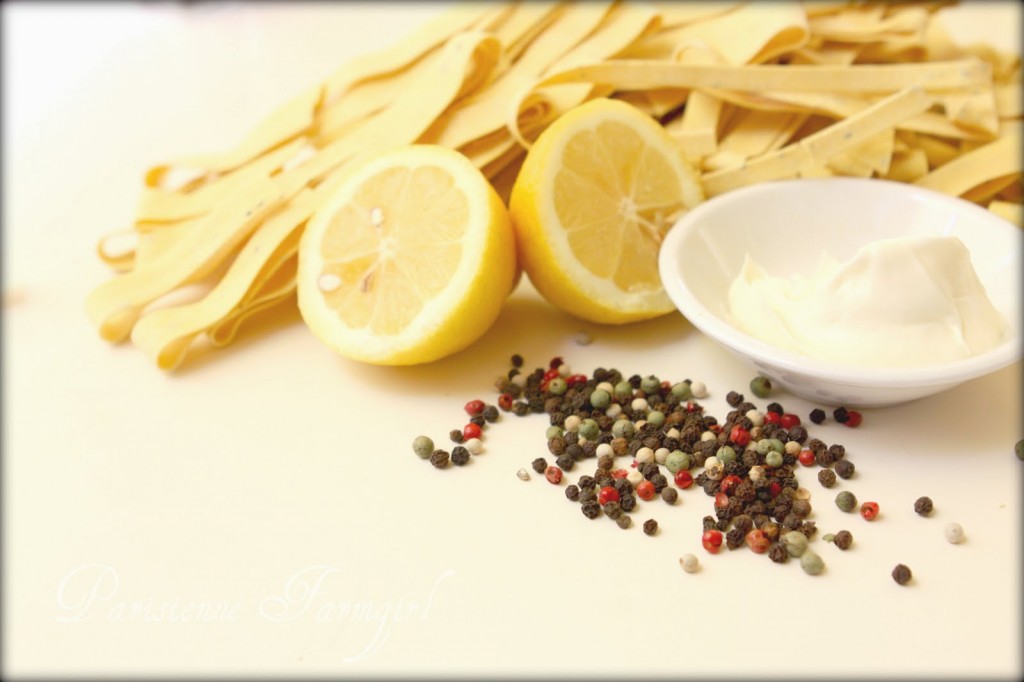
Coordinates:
(474, 407)
(645, 490)
(869, 510)
(788, 421)
(619, 473)
(712, 540)
(471, 430)
(739, 435)
(806, 457)
(757, 540)
(607, 494)
(683, 478)
(853, 418)
(553, 474)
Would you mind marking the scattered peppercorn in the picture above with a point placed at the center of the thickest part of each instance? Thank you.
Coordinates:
(650, 527)
(690, 563)
(760, 386)
(844, 468)
(572, 492)
(811, 563)
(843, 539)
(954, 532)
(670, 495)
(733, 398)
(778, 553)
(854, 419)
(817, 415)
(869, 510)
(553, 474)
(456, 436)
(923, 506)
(624, 521)
(517, 360)
(711, 540)
(613, 510)
(439, 458)
(460, 455)
(840, 414)
(901, 574)
(539, 465)
(565, 461)
(591, 509)
(423, 447)
(846, 501)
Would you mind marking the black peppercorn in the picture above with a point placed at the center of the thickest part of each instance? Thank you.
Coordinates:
(575, 451)
(612, 510)
(802, 508)
(817, 415)
(827, 477)
(660, 482)
(517, 360)
(605, 462)
(808, 528)
(837, 451)
(439, 458)
(556, 446)
(490, 413)
(572, 492)
(587, 494)
(844, 468)
(591, 509)
(586, 481)
(565, 462)
(777, 552)
(923, 506)
(539, 465)
(776, 408)
(627, 503)
(460, 455)
(734, 538)
(734, 398)
(901, 574)
(823, 458)
(840, 414)
(624, 521)
(520, 409)
(798, 433)
(843, 539)
(478, 419)
(456, 435)
(650, 527)
(669, 495)
(743, 522)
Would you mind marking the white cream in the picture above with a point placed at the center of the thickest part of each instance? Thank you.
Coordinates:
(911, 301)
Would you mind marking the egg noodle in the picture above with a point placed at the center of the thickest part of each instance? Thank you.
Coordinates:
(749, 92)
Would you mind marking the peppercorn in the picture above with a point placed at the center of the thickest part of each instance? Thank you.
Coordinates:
(823, 458)
(843, 539)
(520, 408)
(846, 501)
(659, 482)
(587, 494)
(954, 532)
(734, 538)
(798, 434)
(734, 398)
(523, 475)
(801, 508)
(795, 543)
(840, 414)
(1019, 449)
(565, 461)
(844, 468)
(901, 574)
(613, 510)
(650, 527)
(811, 563)
(627, 502)
(923, 506)
(624, 521)
(539, 465)
(460, 455)
(853, 419)
(439, 458)
(572, 492)
(778, 553)
(423, 446)
(827, 477)
(761, 386)
(817, 415)
(808, 528)
(690, 563)
(591, 509)
(553, 474)
(670, 495)
(456, 435)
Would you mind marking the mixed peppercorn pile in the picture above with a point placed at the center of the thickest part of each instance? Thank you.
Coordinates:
(639, 433)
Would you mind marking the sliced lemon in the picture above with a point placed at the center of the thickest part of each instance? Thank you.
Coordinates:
(592, 203)
(408, 260)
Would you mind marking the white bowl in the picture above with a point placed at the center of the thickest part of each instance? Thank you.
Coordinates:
(786, 225)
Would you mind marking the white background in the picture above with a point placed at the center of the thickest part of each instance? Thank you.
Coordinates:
(275, 461)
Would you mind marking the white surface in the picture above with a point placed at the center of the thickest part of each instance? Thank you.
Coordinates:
(272, 466)
(704, 252)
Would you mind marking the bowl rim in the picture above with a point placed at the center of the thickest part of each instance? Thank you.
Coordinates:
(763, 353)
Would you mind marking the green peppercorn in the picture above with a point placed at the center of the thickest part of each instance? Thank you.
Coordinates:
(650, 384)
(763, 447)
(773, 459)
(423, 447)
(761, 386)
(623, 428)
(777, 445)
(623, 390)
(795, 542)
(843, 539)
(682, 390)
(656, 418)
(600, 399)
(589, 429)
(726, 454)
(557, 386)
(811, 563)
(677, 461)
(554, 432)
(846, 501)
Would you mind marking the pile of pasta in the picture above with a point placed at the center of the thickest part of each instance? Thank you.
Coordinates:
(749, 91)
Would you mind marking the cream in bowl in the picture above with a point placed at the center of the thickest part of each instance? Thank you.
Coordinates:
(850, 291)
